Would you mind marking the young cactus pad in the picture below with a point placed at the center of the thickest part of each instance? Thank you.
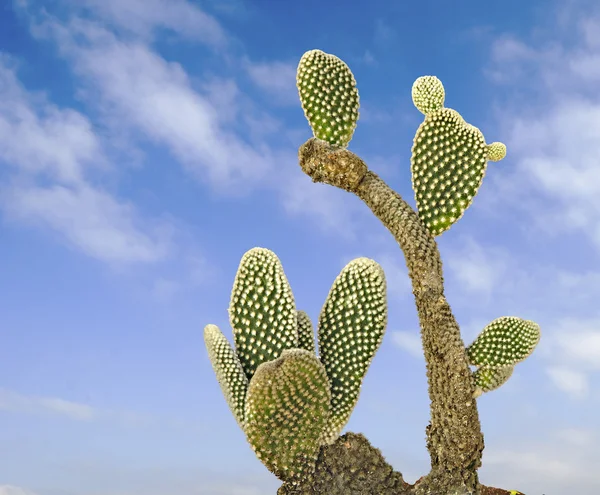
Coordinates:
(287, 408)
(262, 311)
(329, 97)
(428, 94)
(449, 158)
(505, 341)
(227, 367)
(487, 378)
(306, 333)
(350, 329)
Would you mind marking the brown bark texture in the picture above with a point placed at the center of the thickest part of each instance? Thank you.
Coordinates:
(454, 439)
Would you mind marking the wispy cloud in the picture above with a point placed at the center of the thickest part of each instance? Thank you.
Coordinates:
(14, 490)
(278, 79)
(156, 97)
(51, 150)
(568, 380)
(90, 220)
(477, 269)
(553, 129)
(12, 401)
(15, 402)
(145, 17)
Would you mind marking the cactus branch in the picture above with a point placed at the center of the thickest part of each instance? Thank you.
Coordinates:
(454, 437)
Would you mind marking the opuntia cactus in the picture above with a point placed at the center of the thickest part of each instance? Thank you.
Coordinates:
(505, 341)
(329, 96)
(449, 158)
(488, 378)
(293, 404)
(350, 330)
(288, 401)
(287, 410)
(306, 333)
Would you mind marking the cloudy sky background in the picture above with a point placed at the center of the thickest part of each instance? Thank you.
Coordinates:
(145, 145)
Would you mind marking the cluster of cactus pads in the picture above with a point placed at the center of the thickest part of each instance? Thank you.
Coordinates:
(449, 156)
(289, 401)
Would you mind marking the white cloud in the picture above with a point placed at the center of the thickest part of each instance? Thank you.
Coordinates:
(41, 405)
(143, 17)
(11, 401)
(332, 210)
(477, 269)
(581, 347)
(549, 467)
(569, 380)
(14, 490)
(43, 143)
(142, 90)
(552, 129)
(409, 341)
(534, 463)
(90, 219)
(138, 91)
(278, 79)
(37, 137)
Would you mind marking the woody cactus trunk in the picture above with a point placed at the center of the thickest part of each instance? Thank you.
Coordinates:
(292, 399)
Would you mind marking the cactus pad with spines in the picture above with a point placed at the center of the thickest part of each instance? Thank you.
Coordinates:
(329, 96)
(287, 408)
(306, 333)
(428, 94)
(449, 159)
(496, 151)
(227, 367)
(505, 341)
(262, 311)
(350, 329)
(489, 378)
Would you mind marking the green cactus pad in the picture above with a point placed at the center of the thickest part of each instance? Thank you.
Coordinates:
(505, 341)
(306, 333)
(487, 378)
(262, 311)
(329, 96)
(496, 151)
(428, 94)
(448, 163)
(287, 408)
(227, 367)
(350, 329)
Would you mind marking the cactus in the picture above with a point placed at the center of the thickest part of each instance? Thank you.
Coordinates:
(262, 311)
(488, 378)
(449, 158)
(229, 371)
(428, 94)
(287, 408)
(293, 404)
(353, 319)
(506, 341)
(288, 401)
(329, 96)
(306, 336)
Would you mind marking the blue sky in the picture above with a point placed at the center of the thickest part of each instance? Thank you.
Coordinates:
(145, 145)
